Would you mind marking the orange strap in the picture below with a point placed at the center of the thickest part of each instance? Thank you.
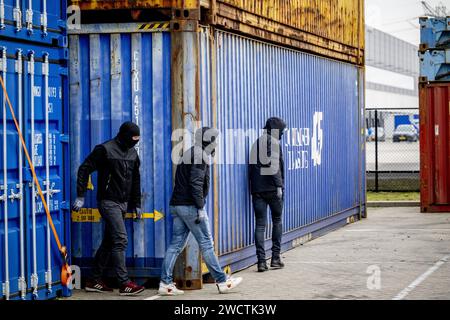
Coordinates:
(36, 181)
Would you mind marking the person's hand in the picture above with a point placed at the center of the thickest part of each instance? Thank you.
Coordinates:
(78, 204)
(138, 212)
(280, 192)
(201, 215)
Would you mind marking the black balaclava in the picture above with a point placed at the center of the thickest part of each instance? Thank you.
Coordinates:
(275, 123)
(127, 131)
(206, 137)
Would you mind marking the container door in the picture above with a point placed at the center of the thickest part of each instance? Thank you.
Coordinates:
(34, 82)
(116, 78)
(441, 146)
(44, 83)
(12, 269)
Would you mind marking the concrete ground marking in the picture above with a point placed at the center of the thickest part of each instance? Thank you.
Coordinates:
(421, 278)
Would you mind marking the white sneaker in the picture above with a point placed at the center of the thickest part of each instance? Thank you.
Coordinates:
(169, 290)
(230, 284)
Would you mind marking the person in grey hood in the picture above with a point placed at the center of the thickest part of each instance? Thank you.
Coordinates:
(266, 173)
(187, 207)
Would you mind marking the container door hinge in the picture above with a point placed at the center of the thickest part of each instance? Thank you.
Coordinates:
(2, 15)
(34, 285)
(19, 62)
(44, 24)
(48, 280)
(6, 290)
(45, 65)
(29, 20)
(22, 285)
(17, 13)
(3, 60)
(64, 138)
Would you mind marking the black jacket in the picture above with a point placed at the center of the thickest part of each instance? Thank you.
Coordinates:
(191, 182)
(118, 173)
(260, 159)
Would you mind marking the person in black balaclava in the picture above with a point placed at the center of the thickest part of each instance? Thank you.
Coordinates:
(187, 207)
(118, 190)
(266, 172)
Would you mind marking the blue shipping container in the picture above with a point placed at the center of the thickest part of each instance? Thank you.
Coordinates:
(127, 75)
(321, 100)
(116, 78)
(435, 65)
(36, 81)
(434, 33)
(42, 21)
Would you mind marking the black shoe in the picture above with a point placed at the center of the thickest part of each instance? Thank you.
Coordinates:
(276, 263)
(262, 266)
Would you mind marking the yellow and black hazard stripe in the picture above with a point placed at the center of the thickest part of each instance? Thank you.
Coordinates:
(154, 26)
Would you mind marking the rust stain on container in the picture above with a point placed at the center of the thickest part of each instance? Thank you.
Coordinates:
(134, 4)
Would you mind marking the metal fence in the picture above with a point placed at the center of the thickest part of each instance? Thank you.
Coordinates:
(393, 156)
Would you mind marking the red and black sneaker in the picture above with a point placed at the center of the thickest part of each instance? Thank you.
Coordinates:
(130, 289)
(97, 286)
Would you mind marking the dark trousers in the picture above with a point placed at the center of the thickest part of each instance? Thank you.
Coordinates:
(260, 203)
(115, 241)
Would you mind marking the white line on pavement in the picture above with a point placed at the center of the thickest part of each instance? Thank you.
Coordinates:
(396, 230)
(421, 278)
(153, 297)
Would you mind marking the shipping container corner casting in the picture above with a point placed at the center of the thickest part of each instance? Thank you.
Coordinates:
(239, 83)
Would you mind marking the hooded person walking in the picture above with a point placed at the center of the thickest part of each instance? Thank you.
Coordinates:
(118, 190)
(187, 207)
(266, 172)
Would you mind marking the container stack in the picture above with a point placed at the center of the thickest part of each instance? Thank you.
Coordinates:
(434, 114)
(33, 66)
(231, 65)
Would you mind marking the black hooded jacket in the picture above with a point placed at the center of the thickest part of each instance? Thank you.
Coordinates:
(117, 163)
(260, 181)
(192, 176)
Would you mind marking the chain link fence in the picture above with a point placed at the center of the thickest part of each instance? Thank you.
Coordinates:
(392, 150)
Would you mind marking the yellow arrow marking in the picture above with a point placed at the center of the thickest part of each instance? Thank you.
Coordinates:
(93, 215)
(205, 270)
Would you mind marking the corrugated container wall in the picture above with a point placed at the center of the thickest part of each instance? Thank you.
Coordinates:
(321, 101)
(434, 147)
(36, 81)
(42, 21)
(115, 78)
(327, 27)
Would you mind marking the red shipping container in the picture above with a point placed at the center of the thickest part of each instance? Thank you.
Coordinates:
(435, 147)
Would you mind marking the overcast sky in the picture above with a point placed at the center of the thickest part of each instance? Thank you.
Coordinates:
(399, 17)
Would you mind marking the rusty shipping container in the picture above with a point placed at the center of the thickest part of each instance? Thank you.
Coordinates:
(435, 147)
(328, 28)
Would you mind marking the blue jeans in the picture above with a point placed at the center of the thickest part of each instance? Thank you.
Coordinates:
(184, 222)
